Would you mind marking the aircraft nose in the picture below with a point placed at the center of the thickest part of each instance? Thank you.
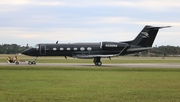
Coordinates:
(25, 52)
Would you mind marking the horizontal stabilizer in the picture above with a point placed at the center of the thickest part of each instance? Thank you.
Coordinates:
(158, 27)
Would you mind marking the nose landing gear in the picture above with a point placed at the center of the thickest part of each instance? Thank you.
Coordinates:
(97, 61)
(33, 62)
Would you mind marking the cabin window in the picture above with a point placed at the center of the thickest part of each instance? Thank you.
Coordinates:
(89, 48)
(54, 49)
(75, 49)
(61, 49)
(82, 48)
(68, 48)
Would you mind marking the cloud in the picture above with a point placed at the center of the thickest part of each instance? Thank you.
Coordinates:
(105, 20)
(37, 21)
(158, 5)
(32, 2)
(31, 36)
(17, 5)
(15, 2)
(153, 4)
(159, 23)
(64, 35)
(126, 20)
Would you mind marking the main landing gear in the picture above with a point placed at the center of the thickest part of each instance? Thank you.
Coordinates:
(33, 62)
(97, 61)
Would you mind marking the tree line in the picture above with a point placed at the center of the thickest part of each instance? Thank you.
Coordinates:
(161, 51)
(12, 48)
(155, 51)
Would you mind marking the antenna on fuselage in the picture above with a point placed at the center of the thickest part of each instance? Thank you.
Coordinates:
(56, 42)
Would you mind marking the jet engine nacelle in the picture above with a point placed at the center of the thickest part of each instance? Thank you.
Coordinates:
(113, 46)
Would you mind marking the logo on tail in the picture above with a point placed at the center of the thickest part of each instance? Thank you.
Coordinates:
(144, 34)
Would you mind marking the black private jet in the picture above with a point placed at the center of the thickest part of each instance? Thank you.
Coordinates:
(96, 51)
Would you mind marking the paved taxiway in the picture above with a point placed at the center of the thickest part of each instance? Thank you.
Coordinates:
(132, 65)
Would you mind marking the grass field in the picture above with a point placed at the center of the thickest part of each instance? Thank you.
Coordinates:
(90, 83)
(95, 84)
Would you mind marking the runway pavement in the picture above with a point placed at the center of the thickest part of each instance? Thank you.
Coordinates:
(132, 65)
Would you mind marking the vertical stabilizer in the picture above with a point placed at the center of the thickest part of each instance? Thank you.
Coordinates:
(147, 36)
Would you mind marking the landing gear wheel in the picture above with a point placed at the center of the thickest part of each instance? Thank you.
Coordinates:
(33, 62)
(29, 62)
(98, 63)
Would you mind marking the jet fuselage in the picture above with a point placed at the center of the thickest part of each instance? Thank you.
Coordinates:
(142, 42)
(79, 50)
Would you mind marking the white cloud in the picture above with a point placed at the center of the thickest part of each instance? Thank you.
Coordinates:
(159, 23)
(106, 23)
(14, 2)
(163, 5)
(64, 35)
(105, 20)
(23, 36)
(126, 20)
(153, 4)
(157, 5)
(33, 2)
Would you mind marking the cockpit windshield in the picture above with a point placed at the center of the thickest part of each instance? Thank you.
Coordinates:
(36, 47)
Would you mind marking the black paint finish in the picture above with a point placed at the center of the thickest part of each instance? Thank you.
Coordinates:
(142, 42)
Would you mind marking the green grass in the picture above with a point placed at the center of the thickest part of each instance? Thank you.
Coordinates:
(88, 84)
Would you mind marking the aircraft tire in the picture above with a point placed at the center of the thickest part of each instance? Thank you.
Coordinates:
(29, 62)
(98, 63)
(33, 62)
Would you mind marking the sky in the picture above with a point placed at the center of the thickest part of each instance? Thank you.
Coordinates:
(30, 22)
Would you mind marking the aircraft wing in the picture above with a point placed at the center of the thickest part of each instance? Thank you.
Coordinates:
(93, 56)
(139, 49)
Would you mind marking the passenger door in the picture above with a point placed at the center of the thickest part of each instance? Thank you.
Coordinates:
(42, 49)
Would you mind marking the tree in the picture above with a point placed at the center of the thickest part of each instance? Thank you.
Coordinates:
(11, 48)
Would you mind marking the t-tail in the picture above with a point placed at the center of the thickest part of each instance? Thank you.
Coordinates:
(145, 39)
